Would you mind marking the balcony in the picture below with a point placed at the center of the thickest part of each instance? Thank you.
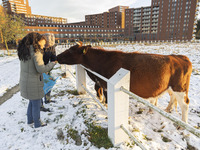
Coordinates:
(155, 12)
(156, 8)
(145, 25)
(155, 16)
(145, 21)
(136, 15)
(154, 24)
(147, 18)
(149, 13)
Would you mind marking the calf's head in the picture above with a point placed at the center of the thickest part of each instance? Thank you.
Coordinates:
(73, 55)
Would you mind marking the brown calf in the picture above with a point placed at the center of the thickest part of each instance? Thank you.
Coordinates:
(151, 74)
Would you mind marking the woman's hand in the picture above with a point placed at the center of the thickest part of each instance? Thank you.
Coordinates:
(55, 62)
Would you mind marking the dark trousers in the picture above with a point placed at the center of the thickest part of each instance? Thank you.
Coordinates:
(47, 97)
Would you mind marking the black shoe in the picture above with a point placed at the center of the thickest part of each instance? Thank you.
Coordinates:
(51, 101)
(43, 124)
(45, 109)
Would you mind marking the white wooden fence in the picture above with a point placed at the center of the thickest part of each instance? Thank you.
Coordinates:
(67, 45)
(118, 105)
(118, 110)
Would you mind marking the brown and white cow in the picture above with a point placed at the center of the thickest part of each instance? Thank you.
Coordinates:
(151, 74)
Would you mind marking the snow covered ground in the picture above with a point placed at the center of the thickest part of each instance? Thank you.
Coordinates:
(72, 112)
(9, 68)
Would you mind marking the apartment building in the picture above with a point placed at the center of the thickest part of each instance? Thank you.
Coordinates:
(69, 33)
(141, 23)
(22, 9)
(17, 6)
(40, 20)
(164, 20)
(113, 18)
(176, 19)
(93, 29)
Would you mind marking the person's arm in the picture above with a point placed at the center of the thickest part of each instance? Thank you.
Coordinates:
(39, 63)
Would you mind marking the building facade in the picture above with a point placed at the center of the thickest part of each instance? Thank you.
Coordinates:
(164, 20)
(104, 27)
(114, 18)
(75, 32)
(22, 9)
(17, 6)
(40, 20)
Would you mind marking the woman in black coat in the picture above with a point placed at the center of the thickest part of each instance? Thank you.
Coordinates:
(49, 56)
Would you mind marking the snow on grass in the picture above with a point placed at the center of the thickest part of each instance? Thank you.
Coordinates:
(68, 122)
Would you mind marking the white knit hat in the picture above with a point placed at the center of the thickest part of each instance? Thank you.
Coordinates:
(50, 39)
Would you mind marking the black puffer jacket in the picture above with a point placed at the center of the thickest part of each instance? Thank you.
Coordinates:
(49, 54)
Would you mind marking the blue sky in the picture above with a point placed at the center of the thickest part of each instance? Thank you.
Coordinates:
(75, 10)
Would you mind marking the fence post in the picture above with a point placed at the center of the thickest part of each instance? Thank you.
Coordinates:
(118, 106)
(67, 70)
(80, 79)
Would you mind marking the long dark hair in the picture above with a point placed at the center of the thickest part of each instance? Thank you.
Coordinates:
(23, 49)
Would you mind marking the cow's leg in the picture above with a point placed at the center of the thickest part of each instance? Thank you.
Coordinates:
(105, 95)
(99, 92)
(103, 100)
(156, 102)
(153, 101)
(172, 101)
(183, 102)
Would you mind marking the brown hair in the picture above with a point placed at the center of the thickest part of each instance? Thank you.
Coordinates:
(23, 49)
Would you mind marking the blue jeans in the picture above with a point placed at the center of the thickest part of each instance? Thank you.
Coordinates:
(33, 112)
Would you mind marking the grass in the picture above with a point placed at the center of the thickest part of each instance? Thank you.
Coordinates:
(140, 111)
(75, 136)
(73, 92)
(146, 138)
(165, 139)
(72, 133)
(98, 136)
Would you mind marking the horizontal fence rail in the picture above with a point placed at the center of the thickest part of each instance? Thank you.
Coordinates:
(95, 99)
(67, 45)
(163, 113)
(133, 138)
(96, 74)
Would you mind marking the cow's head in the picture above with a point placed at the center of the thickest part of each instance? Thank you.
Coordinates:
(73, 55)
